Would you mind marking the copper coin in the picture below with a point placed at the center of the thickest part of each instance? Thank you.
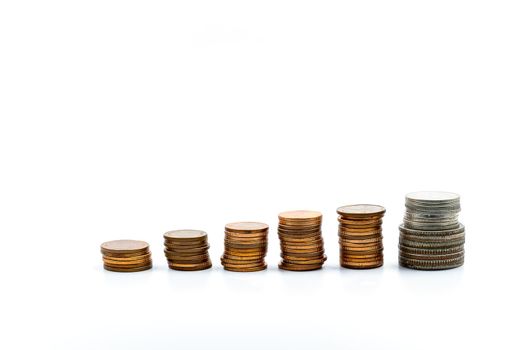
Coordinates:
(185, 235)
(189, 244)
(246, 227)
(176, 249)
(291, 260)
(243, 258)
(127, 258)
(362, 266)
(190, 267)
(237, 235)
(300, 215)
(246, 269)
(134, 266)
(126, 262)
(125, 246)
(297, 267)
(134, 269)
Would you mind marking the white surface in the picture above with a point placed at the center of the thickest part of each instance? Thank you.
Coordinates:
(126, 119)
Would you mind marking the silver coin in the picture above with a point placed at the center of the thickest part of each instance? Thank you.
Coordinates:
(432, 196)
(432, 245)
(434, 251)
(431, 264)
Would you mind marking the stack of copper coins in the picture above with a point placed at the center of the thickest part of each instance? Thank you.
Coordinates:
(302, 247)
(360, 238)
(245, 246)
(126, 255)
(187, 250)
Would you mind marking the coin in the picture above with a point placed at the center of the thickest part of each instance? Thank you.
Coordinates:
(134, 269)
(125, 246)
(185, 235)
(359, 210)
(300, 216)
(246, 227)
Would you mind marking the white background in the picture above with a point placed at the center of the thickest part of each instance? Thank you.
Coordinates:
(126, 119)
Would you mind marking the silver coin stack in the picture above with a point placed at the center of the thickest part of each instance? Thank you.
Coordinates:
(431, 238)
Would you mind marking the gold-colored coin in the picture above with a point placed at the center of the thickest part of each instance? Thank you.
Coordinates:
(300, 215)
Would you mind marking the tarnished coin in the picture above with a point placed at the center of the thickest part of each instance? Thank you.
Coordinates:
(299, 267)
(431, 264)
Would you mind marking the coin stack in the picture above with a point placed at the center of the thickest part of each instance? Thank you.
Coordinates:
(360, 239)
(126, 255)
(187, 250)
(302, 247)
(431, 238)
(245, 246)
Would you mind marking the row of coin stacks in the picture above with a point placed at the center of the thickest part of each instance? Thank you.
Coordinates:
(430, 238)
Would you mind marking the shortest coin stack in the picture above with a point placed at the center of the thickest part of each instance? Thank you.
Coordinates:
(360, 238)
(187, 250)
(302, 247)
(245, 246)
(126, 255)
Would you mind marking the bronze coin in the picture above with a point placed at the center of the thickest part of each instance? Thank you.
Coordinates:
(246, 227)
(245, 269)
(245, 241)
(191, 267)
(297, 267)
(247, 235)
(134, 269)
(127, 258)
(299, 229)
(361, 210)
(188, 261)
(362, 266)
(243, 258)
(124, 246)
(194, 243)
(174, 249)
(126, 262)
(300, 215)
(185, 235)
(126, 255)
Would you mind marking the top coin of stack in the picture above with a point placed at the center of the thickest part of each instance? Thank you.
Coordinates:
(302, 247)
(126, 255)
(431, 238)
(187, 250)
(245, 246)
(360, 239)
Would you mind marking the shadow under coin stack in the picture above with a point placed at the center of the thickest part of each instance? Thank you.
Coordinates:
(245, 246)
(431, 238)
(126, 255)
(360, 238)
(302, 247)
(187, 250)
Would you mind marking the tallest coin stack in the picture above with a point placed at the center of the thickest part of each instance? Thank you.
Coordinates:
(431, 238)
